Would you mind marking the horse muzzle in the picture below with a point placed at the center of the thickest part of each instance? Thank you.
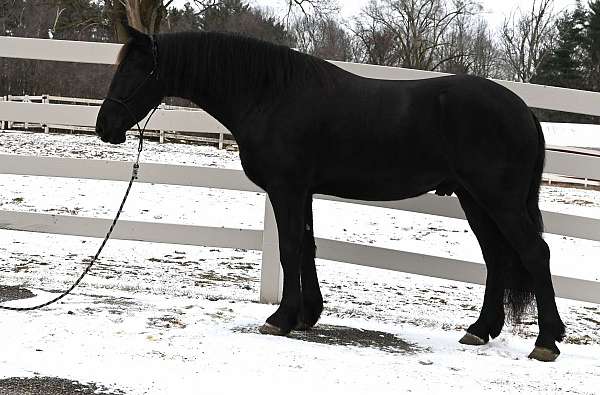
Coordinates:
(106, 135)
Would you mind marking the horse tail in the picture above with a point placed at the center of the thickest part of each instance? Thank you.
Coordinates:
(536, 182)
(519, 295)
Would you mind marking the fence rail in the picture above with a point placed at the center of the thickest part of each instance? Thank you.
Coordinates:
(84, 116)
(51, 117)
(539, 96)
(154, 173)
(573, 164)
(447, 268)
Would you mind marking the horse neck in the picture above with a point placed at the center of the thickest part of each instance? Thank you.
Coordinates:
(182, 74)
(217, 78)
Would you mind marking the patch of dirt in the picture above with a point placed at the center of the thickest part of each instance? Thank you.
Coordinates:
(577, 339)
(112, 300)
(8, 293)
(51, 386)
(346, 336)
(210, 277)
(166, 322)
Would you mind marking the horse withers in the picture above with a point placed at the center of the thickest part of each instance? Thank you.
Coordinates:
(305, 126)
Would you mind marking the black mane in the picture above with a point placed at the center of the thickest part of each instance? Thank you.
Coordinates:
(229, 63)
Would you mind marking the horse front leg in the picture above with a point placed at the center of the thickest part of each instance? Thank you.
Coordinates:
(288, 207)
(312, 300)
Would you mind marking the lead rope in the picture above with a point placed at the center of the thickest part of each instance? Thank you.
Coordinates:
(134, 176)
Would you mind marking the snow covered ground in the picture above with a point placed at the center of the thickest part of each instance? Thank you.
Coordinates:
(167, 319)
(572, 135)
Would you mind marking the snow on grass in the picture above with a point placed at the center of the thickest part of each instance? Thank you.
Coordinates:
(167, 319)
(572, 135)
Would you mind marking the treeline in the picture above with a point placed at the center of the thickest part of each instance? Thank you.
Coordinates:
(534, 44)
(92, 20)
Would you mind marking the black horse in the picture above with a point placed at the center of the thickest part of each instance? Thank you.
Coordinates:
(305, 126)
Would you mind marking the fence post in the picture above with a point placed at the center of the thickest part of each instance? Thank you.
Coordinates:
(161, 133)
(221, 140)
(45, 100)
(271, 275)
(8, 123)
(26, 100)
(2, 123)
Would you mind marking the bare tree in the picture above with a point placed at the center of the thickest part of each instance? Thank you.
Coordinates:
(418, 29)
(204, 6)
(469, 48)
(526, 39)
(311, 9)
(455, 55)
(324, 38)
(374, 43)
(485, 53)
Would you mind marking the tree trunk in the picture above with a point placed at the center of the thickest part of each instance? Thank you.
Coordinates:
(118, 17)
(145, 15)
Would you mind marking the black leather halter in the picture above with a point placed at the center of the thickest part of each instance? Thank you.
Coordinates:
(152, 75)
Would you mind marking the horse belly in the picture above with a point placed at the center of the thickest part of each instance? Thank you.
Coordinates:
(367, 182)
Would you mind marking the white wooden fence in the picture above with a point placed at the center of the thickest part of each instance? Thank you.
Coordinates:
(562, 163)
(223, 136)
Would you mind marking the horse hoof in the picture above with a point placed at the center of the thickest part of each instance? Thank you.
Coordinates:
(543, 354)
(268, 329)
(472, 340)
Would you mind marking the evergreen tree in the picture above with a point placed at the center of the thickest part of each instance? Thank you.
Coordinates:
(593, 33)
(565, 65)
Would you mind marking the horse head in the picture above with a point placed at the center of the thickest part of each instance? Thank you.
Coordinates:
(135, 88)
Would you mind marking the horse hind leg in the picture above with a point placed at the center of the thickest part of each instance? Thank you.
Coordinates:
(521, 227)
(497, 254)
(535, 256)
